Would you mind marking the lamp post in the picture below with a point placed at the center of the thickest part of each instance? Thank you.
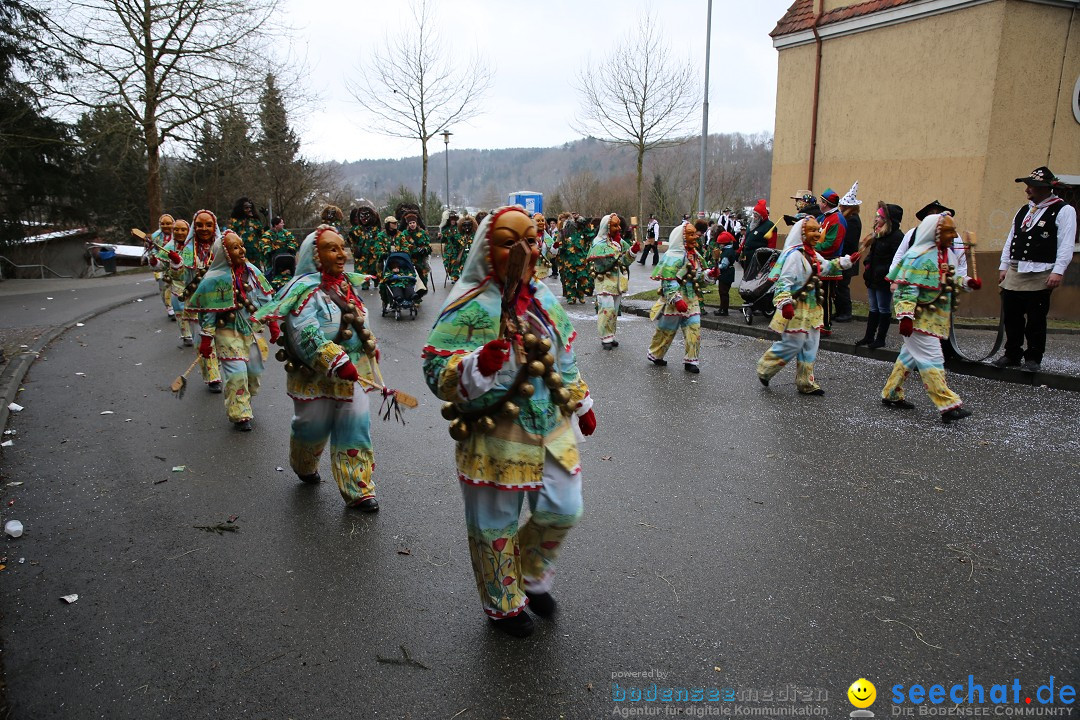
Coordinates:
(446, 153)
(705, 115)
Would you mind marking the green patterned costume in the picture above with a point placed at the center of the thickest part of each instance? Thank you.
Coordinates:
(250, 231)
(272, 243)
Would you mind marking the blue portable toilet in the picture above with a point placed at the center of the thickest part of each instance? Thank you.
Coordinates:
(533, 202)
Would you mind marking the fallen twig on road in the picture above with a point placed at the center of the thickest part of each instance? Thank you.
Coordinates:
(918, 635)
(406, 660)
(669, 583)
(264, 662)
(177, 557)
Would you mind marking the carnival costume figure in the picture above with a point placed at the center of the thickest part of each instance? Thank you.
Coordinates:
(609, 259)
(682, 277)
(543, 244)
(244, 223)
(574, 252)
(362, 239)
(414, 240)
(226, 300)
(328, 351)
(387, 241)
(501, 357)
(926, 284)
(456, 247)
(275, 242)
(189, 265)
(160, 238)
(175, 288)
(799, 300)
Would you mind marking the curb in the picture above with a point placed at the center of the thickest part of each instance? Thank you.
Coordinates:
(1056, 381)
(19, 365)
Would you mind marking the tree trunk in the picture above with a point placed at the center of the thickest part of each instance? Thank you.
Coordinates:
(423, 182)
(153, 169)
(640, 206)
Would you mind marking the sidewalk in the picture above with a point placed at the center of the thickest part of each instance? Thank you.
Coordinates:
(34, 312)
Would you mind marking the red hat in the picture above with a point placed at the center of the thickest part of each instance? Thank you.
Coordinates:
(725, 238)
(762, 209)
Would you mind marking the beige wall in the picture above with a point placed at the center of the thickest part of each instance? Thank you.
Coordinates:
(986, 117)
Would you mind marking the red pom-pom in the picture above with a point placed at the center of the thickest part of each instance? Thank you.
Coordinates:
(587, 422)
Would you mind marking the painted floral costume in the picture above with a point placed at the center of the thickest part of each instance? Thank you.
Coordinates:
(609, 260)
(418, 245)
(454, 253)
(195, 261)
(528, 453)
(925, 288)
(325, 406)
(225, 301)
(250, 231)
(576, 281)
(362, 240)
(272, 243)
(679, 274)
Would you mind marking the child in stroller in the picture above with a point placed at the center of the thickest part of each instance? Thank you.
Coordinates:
(756, 286)
(397, 286)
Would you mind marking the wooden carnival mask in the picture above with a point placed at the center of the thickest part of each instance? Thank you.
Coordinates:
(204, 228)
(234, 249)
(180, 231)
(811, 232)
(330, 252)
(614, 226)
(946, 232)
(166, 224)
(508, 229)
(690, 236)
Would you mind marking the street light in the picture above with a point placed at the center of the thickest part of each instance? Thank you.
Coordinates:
(446, 141)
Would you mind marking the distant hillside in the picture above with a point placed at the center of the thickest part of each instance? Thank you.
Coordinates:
(739, 167)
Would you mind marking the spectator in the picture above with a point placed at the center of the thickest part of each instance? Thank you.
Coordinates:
(877, 250)
(849, 208)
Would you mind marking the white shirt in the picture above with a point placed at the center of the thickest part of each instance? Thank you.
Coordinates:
(1066, 234)
(957, 253)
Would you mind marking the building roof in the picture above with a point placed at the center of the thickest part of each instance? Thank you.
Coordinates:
(800, 16)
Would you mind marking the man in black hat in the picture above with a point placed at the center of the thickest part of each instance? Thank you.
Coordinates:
(1033, 261)
(957, 253)
(652, 240)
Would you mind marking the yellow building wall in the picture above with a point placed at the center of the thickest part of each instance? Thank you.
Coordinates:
(1065, 144)
(791, 133)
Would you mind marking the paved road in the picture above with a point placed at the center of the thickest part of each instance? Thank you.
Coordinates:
(733, 537)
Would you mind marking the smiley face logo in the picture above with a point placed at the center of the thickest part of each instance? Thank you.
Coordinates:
(862, 693)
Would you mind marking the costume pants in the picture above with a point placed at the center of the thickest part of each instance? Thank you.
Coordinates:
(1025, 318)
(178, 312)
(242, 376)
(923, 353)
(608, 316)
(507, 560)
(800, 345)
(574, 282)
(209, 368)
(666, 328)
(347, 425)
(164, 287)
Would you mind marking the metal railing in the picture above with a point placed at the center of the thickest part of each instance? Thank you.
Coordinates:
(42, 268)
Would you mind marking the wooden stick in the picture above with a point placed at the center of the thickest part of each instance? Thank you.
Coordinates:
(969, 250)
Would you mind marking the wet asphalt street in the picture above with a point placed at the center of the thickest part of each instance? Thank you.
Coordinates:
(734, 537)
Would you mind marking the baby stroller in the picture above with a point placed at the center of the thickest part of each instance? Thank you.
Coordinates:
(397, 286)
(756, 287)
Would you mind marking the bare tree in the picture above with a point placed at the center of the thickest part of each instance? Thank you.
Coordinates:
(639, 96)
(166, 64)
(413, 88)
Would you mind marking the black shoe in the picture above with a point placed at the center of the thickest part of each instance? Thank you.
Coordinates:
(865, 341)
(723, 313)
(691, 368)
(846, 318)
(898, 404)
(614, 343)
(717, 313)
(659, 362)
(312, 479)
(542, 604)
(607, 345)
(875, 344)
(367, 505)
(520, 625)
(243, 425)
(818, 392)
(1031, 366)
(955, 414)
(214, 387)
(764, 380)
(188, 342)
(1004, 361)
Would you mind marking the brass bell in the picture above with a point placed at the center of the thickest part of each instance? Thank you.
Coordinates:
(460, 430)
(230, 316)
(221, 322)
(548, 360)
(529, 341)
(348, 318)
(366, 334)
(369, 348)
(509, 410)
(250, 308)
(553, 380)
(290, 366)
(561, 396)
(449, 411)
(545, 343)
(536, 368)
(353, 309)
(485, 424)
(281, 340)
(281, 355)
(346, 333)
(526, 390)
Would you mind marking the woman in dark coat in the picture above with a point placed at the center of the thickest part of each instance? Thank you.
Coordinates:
(879, 248)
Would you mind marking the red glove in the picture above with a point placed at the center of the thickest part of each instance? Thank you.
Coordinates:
(206, 346)
(347, 372)
(152, 261)
(378, 355)
(712, 273)
(854, 257)
(907, 326)
(492, 357)
(175, 257)
(974, 283)
(681, 306)
(787, 310)
(587, 423)
(275, 330)
(635, 248)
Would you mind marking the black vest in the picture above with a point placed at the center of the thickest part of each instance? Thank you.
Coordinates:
(1039, 242)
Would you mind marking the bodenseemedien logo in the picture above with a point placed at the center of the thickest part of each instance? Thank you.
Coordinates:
(862, 695)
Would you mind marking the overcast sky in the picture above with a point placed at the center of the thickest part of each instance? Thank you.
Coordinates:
(536, 49)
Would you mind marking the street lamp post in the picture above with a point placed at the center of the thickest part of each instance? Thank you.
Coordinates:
(705, 116)
(446, 141)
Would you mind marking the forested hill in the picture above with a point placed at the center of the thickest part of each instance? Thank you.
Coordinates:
(739, 167)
